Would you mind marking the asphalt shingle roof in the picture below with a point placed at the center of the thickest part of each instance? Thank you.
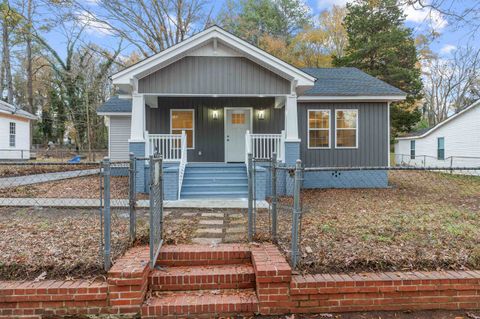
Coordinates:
(348, 81)
(116, 104)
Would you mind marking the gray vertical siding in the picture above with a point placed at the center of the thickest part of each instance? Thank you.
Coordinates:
(372, 140)
(209, 133)
(118, 138)
(214, 75)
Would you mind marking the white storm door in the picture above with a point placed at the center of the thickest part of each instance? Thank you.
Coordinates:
(238, 122)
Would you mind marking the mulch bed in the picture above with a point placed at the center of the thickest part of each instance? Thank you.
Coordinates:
(425, 221)
(65, 243)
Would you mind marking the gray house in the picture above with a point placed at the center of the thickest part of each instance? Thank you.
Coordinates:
(207, 102)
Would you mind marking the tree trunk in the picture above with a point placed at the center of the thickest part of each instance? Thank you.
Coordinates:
(6, 62)
(28, 40)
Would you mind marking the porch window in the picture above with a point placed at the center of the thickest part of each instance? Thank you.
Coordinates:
(318, 129)
(13, 133)
(183, 120)
(346, 128)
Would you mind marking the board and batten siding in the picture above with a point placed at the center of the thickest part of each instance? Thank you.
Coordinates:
(214, 75)
(372, 139)
(119, 134)
(209, 133)
(462, 141)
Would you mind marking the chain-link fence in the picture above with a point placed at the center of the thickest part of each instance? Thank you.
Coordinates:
(156, 208)
(372, 218)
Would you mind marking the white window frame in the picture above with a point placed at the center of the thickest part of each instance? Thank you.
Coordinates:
(14, 134)
(184, 129)
(356, 129)
(413, 149)
(320, 129)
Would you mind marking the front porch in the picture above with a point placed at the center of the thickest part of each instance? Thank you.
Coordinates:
(205, 141)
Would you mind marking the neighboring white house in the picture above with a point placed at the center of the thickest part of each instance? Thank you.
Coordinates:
(453, 142)
(14, 132)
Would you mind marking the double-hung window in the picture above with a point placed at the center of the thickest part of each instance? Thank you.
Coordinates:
(183, 120)
(346, 128)
(13, 134)
(318, 129)
(412, 149)
(441, 148)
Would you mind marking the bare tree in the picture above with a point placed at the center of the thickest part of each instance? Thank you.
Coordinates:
(149, 25)
(451, 84)
(9, 19)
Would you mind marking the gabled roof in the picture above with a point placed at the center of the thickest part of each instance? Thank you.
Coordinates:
(424, 132)
(176, 52)
(348, 81)
(115, 105)
(11, 109)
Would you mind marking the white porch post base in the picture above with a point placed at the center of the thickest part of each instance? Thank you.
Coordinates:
(138, 118)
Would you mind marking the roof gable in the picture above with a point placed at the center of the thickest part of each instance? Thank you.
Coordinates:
(7, 108)
(216, 35)
(425, 132)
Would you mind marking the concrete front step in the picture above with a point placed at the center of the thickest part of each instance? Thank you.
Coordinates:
(195, 255)
(200, 304)
(240, 276)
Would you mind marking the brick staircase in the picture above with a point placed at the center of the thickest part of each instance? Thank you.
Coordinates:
(202, 282)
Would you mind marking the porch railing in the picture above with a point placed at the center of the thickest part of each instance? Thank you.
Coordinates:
(262, 146)
(172, 148)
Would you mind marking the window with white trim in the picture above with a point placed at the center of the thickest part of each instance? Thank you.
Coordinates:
(346, 128)
(318, 129)
(183, 120)
(13, 134)
(441, 148)
(412, 149)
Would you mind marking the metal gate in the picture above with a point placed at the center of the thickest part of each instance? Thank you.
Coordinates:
(156, 207)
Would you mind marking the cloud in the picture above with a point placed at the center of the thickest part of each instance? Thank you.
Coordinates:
(431, 17)
(448, 48)
(92, 25)
(92, 2)
(326, 4)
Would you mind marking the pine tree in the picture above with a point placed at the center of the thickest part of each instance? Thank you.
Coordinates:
(381, 45)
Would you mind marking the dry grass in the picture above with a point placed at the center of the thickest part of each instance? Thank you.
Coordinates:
(10, 170)
(425, 221)
(65, 243)
(78, 188)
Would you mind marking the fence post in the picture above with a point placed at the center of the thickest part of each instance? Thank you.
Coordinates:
(132, 197)
(274, 197)
(106, 213)
(296, 212)
(152, 209)
(250, 197)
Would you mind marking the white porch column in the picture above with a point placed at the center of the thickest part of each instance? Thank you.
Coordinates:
(291, 118)
(138, 118)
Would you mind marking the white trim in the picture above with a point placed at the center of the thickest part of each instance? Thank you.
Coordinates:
(359, 98)
(225, 126)
(321, 129)
(185, 129)
(433, 129)
(177, 51)
(388, 135)
(356, 130)
(214, 95)
(109, 139)
(114, 113)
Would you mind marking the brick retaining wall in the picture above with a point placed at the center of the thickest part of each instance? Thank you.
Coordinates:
(277, 289)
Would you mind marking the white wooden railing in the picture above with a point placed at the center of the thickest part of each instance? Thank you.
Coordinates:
(172, 147)
(262, 146)
(183, 162)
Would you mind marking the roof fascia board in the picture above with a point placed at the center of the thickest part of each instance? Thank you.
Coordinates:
(359, 98)
(176, 52)
(114, 113)
(436, 127)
